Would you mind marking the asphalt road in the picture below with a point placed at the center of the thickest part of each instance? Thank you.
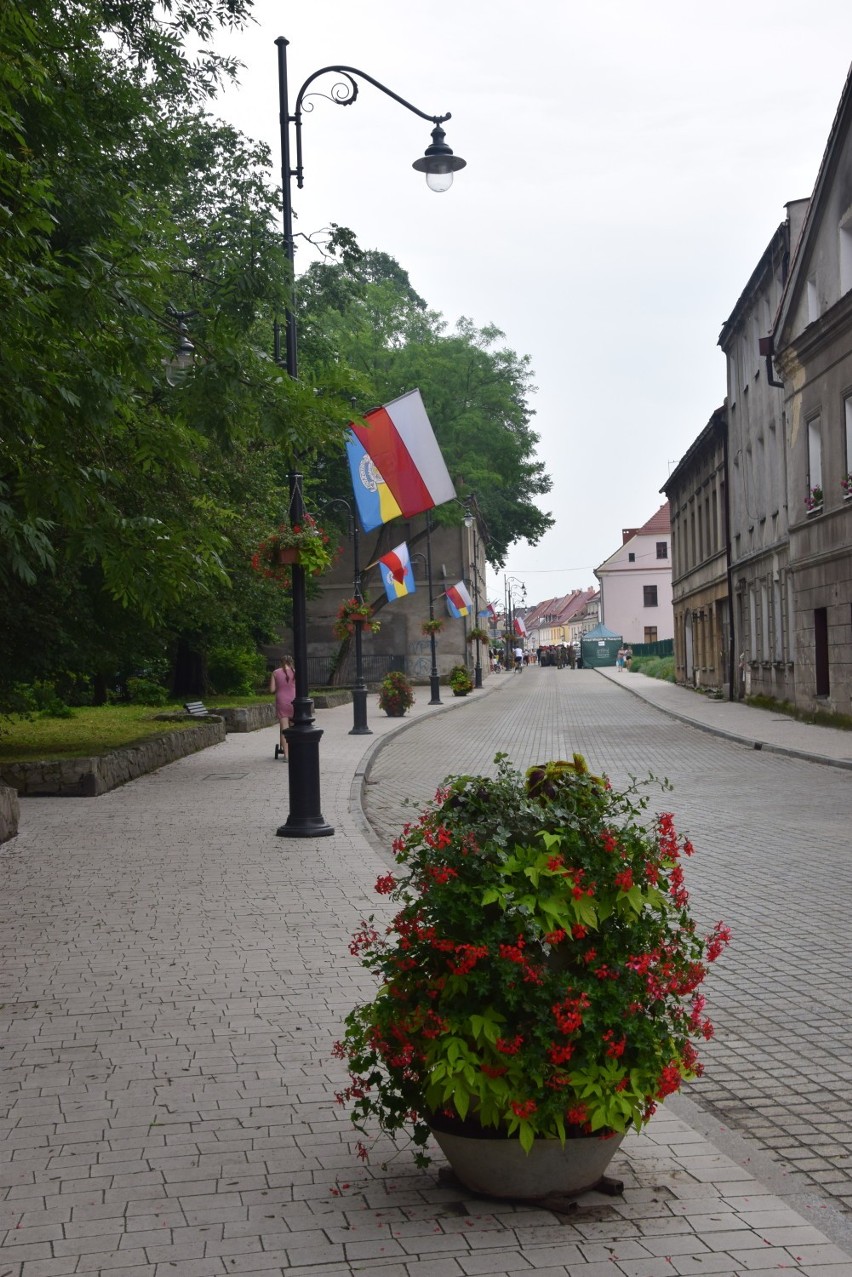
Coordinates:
(773, 860)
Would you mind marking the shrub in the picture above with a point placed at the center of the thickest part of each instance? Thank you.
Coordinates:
(236, 671)
(654, 667)
(40, 697)
(144, 691)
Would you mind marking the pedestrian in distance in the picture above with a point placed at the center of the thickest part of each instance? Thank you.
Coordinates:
(628, 656)
(619, 660)
(519, 659)
(283, 683)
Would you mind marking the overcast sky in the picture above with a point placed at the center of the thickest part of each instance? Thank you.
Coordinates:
(628, 162)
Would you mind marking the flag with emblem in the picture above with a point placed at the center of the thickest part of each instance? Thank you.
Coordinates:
(397, 577)
(399, 440)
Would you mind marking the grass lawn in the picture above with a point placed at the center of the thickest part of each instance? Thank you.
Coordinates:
(94, 730)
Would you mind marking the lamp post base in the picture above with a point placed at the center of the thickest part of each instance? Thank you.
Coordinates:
(477, 677)
(359, 714)
(434, 688)
(305, 819)
(308, 827)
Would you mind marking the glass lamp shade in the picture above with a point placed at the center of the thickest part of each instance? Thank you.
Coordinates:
(439, 164)
(439, 182)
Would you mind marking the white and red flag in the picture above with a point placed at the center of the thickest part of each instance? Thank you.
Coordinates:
(459, 602)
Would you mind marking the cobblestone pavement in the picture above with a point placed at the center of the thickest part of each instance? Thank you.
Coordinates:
(173, 976)
(773, 861)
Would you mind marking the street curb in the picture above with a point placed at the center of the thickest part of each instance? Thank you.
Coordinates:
(361, 778)
(736, 737)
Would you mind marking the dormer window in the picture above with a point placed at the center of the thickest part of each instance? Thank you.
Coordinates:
(845, 233)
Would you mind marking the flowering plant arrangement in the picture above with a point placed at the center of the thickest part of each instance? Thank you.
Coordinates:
(396, 694)
(354, 612)
(814, 498)
(846, 485)
(541, 975)
(460, 680)
(433, 626)
(309, 545)
(477, 635)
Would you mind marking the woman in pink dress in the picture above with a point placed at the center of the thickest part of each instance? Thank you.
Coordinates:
(283, 684)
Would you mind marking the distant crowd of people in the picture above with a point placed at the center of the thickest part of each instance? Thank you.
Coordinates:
(563, 655)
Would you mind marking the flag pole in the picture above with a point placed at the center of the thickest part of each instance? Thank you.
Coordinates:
(359, 691)
(434, 680)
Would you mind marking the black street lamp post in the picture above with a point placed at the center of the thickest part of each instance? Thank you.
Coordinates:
(434, 677)
(511, 608)
(438, 163)
(359, 691)
(470, 522)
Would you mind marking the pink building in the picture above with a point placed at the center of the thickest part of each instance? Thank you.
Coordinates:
(636, 583)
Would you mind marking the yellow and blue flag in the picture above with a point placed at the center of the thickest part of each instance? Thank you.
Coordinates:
(376, 503)
(397, 577)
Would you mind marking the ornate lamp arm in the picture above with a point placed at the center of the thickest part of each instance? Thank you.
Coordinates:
(344, 94)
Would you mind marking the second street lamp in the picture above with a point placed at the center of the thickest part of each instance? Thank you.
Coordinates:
(470, 522)
(359, 691)
(438, 163)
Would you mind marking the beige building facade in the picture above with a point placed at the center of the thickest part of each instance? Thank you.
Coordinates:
(697, 494)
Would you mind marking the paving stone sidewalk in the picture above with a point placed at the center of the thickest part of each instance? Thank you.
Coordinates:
(172, 978)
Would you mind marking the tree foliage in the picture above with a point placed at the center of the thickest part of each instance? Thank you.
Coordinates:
(123, 202)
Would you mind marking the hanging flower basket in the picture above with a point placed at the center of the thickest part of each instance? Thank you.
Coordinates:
(354, 612)
(302, 543)
(477, 635)
(432, 627)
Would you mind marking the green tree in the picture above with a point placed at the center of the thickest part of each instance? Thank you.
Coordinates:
(121, 202)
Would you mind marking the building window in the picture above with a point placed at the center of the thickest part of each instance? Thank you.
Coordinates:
(846, 253)
(847, 407)
(814, 453)
(764, 622)
(662, 549)
(813, 300)
(631, 557)
(650, 634)
(821, 676)
(649, 594)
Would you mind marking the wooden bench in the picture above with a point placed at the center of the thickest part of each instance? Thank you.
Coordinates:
(196, 708)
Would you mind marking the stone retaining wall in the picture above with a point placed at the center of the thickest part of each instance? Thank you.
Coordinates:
(9, 813)
(246, 718)
(89, 777)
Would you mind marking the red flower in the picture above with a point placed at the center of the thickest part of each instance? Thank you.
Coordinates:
(523, 1109)
(511, 1047)
(384, 886)
(719, 937)
(670, 1080)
